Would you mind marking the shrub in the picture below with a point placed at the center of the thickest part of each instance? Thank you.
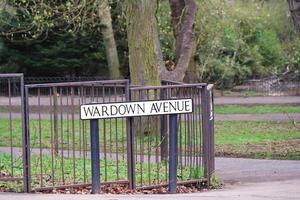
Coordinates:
(238, 40)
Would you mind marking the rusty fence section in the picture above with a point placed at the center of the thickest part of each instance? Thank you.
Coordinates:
(11, 126)
(45, 144)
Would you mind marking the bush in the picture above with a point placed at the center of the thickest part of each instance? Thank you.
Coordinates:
(236, 40)
(239, 40)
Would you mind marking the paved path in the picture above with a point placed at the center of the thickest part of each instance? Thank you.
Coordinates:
(283, 190)
(15, 101)
(245, 170)
(218, 117)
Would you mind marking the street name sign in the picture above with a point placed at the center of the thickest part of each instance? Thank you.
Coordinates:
(135, 109)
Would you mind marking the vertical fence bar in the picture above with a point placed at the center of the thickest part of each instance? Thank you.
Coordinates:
(55, 119)
(95, 156)
(130, 143)
(163, 131)
(173, 145)
(25, 137)
(205, 107)
(211, 129)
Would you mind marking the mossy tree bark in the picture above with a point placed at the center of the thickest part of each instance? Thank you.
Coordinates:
(144, 51)
(143, 57)
(141, 30)
(109, 40)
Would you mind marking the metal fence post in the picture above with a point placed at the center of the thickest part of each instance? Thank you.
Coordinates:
(173, 153)
(211, 128)
(25, 138)
(130, 144)
(208, 131)
(95, 156)
(205, 128)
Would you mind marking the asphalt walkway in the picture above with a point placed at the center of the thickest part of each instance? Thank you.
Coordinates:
(218, 117)
(45, 100)
(280, 190)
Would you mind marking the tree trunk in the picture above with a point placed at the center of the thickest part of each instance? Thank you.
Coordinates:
(109, 40)
(191, 74)
(143, 55)
(294, 6)
(141, 30)
(183, 16)
(178, 9)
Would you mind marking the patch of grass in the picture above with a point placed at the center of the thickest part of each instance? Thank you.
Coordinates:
(49, 171)
(244, 93)
(261, 109)
(216, 181)
(235, 132)
(233, 138)
(70, 133)
(276, 140)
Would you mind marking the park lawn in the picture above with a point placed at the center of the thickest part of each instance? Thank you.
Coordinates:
(41, 132)
(258, 139)
(257, 109)
(236, 132)
(232, 138)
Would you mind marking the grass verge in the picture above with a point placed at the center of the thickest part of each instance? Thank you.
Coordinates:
(264, 139)
(261, 109)
(270, 140)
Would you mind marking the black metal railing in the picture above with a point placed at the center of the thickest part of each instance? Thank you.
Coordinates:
(133, 151)
(11, 126)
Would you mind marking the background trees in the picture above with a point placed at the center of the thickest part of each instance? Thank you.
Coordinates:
(234, 40)
(38, 21)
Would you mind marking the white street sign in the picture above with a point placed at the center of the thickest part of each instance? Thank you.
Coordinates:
(135, 109)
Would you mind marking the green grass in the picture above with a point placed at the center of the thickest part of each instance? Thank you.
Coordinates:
(244, 93)
(73, 134)
(234, 132)
(261, 109)
(227, 132)
(268, 140)
(74, 137)
(232, 138)
(46, 171)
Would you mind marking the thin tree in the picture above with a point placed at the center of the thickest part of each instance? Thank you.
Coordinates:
(34, 20)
